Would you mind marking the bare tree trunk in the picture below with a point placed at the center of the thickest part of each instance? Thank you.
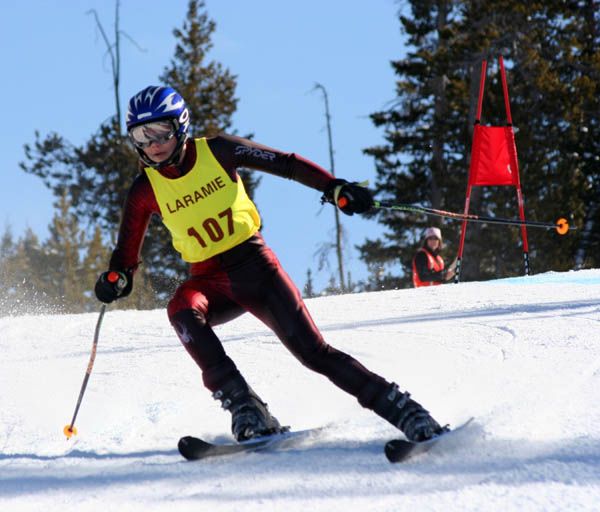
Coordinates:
(115, 58)
(338, 226)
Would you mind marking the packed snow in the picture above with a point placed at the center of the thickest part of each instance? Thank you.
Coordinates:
(521, 355)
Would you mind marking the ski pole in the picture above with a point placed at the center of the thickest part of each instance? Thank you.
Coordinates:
(120, 282)
(561, 225)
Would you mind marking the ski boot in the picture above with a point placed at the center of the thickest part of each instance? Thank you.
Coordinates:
(250, 416)
(407, 415)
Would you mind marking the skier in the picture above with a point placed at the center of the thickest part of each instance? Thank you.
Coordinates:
(192, 183)
(428, 265)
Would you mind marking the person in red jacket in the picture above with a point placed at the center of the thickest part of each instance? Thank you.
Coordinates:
(193, 185)
(428, 265)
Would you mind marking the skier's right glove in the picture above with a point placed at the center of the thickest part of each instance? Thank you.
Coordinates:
(113, 285)
(349, 197)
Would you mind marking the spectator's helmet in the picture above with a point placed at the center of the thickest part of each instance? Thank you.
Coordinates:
(162, 105)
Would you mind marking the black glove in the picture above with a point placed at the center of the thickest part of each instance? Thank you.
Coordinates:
(113, 285)
(349, 197)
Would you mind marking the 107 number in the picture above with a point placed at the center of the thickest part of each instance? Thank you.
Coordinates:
(212, 227)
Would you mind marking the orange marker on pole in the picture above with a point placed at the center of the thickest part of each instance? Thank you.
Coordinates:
(342, 202)
(562, 226)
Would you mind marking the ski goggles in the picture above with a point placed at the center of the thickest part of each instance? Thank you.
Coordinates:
(160, 132)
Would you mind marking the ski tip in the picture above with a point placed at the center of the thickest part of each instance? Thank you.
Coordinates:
(183, 442)
(396, 450)
(193, 448)
(186, 441)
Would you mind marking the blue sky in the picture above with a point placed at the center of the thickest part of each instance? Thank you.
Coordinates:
(57, 77)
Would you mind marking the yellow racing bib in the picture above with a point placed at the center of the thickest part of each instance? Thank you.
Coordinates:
(205, 211)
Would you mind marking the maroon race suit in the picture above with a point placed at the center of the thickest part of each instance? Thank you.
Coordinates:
(246, 278)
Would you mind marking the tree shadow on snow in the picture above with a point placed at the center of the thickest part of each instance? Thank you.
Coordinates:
(87, 454)
(468, 459)
(544, 310)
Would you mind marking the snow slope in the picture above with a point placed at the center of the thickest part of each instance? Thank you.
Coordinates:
(522, 355)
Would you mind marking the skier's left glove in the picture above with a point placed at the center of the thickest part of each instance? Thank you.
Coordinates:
(349, 197)
(113, 285)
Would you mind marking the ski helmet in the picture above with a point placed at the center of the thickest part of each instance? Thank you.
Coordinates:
(157, 103)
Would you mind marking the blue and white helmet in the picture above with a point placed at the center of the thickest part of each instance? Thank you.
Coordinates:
(157, 103)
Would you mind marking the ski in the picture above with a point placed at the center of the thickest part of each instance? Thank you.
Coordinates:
(194, 448)
(398, 450)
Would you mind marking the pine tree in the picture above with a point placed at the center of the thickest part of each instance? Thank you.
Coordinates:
(581, 69)
(63, 247)
(95, 176)
(424, 150)
(7, 283)
(208, 88)
(332, 288)
(428, 131)
(6, 243)
(29, 293)
(309, 290)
